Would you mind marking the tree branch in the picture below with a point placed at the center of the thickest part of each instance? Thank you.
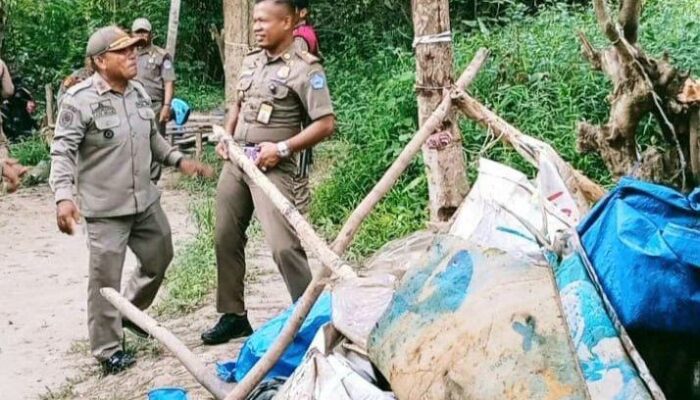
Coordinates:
(630, 11)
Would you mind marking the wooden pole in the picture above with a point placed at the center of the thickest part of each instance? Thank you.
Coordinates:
(445, 168)
(198, 145)
(348, 231)
(530, 148)
(200, 372)
(237, 40)
(49, 105)
(173, 24)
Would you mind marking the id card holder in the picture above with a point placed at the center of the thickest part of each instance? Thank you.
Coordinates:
(265, 113)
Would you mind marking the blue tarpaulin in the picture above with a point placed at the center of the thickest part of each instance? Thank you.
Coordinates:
(644, 243)
(256, 345)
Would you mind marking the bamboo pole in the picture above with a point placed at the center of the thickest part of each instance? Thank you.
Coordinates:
(353, 223)
(527, 146)
(173, 24)
(49, 106)
(315, 288)
(200, 372)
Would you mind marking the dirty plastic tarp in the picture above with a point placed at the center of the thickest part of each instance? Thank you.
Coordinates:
(482, 219)
(462, 310)
(644, 243)
(328, 374)
(606, 367)
(358, 304)
(257, 344)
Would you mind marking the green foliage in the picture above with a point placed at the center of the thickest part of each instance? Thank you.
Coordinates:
(30, 151)
(45, 40)
(535, 78)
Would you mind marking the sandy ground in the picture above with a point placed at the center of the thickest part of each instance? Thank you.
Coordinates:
(43, 282)
(43, 335)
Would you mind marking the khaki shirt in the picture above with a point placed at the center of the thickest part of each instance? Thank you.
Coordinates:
(155, 67)
(278, 93)
(111, 139)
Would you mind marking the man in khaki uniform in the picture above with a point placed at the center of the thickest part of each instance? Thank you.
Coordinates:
(105, 140)
(156, 73)
(7, 89)
(279, 85)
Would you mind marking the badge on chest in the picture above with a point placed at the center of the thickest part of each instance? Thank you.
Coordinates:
(265, 113)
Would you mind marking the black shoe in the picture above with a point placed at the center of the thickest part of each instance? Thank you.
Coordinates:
(117, 363)
(230, 326)
(135, 329)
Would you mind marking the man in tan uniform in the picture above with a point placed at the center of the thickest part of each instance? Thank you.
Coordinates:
(104, 142)
(7, 89)
(279, 85)
(156, 73)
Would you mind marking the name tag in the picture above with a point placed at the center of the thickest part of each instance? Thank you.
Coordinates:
(265, 113)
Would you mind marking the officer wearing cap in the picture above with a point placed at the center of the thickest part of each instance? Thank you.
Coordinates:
(157, 74)
(278, 85)
(104, 142)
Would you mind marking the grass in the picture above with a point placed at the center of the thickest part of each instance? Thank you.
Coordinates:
(30, 151)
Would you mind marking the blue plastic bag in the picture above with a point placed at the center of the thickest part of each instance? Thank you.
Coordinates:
(644, 243)
(169, 393)
(258, 343)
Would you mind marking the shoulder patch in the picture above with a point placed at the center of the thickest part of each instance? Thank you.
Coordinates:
(308, 57)
(82, 85)
(317, 80)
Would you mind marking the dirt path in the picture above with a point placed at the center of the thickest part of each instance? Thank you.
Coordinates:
(43, 280)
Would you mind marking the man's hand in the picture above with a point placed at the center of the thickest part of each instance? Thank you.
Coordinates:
(194, 168)
(165, 114)
(268, 157)
(12, 173)
(67, 216)
(222, 149)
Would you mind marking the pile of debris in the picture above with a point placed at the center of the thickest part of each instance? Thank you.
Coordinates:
(529, 292)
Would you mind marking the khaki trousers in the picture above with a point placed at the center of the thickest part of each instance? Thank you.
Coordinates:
(236, 198)
(148, 235)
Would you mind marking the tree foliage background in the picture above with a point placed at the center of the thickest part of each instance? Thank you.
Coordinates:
(535, 78)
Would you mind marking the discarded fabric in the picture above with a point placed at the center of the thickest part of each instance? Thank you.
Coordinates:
(257, 344)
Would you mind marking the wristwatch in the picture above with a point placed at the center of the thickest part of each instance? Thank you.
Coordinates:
(283, 149)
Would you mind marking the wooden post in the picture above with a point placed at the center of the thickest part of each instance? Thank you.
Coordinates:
(349, 229)
(173, 23)
(49, 105)
(202, 374)
(446, 169)
(237, 41)
(198, 146)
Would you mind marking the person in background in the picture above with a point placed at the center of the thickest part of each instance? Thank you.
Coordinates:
(156, 73)
(305, 39)
(7, 89)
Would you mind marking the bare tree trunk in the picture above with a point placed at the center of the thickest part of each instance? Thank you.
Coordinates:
(173, 24)
(3, 21)
(641, 85)
(237, 42)
(445, 165)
